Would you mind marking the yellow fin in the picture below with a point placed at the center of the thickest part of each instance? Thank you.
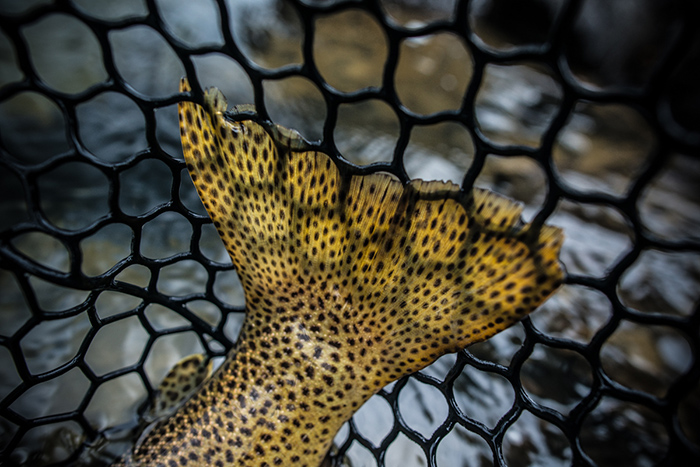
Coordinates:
(178, 385)
(423, 268)
(495, 211)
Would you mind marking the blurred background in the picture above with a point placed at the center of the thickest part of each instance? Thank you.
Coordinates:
(586, 112)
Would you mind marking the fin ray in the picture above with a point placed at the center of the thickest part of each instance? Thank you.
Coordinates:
(407, 260)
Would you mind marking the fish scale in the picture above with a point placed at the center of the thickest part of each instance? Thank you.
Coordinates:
(350, 283)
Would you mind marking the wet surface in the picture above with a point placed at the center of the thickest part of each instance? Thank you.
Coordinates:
(602, 149)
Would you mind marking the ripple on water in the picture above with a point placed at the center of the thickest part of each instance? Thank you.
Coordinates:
(423, 407)
(403, 451)
(463, 448)
(117, 345)
(482, 396)
(51, 344)
(533, 441)
(374, 420)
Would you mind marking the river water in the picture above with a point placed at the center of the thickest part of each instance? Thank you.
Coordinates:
(601, 150)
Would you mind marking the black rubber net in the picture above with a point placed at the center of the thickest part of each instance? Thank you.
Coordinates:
(585, 111)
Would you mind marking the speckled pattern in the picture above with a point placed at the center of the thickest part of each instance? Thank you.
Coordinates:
(179, 384)
(350, 282)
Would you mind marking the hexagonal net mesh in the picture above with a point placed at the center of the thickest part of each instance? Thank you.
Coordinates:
(111, 271)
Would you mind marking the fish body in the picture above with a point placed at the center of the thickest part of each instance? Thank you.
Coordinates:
(350, 281)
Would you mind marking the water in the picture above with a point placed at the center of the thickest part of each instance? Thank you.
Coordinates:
(514, 106)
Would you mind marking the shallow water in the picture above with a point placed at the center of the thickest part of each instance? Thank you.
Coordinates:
(514, 106)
